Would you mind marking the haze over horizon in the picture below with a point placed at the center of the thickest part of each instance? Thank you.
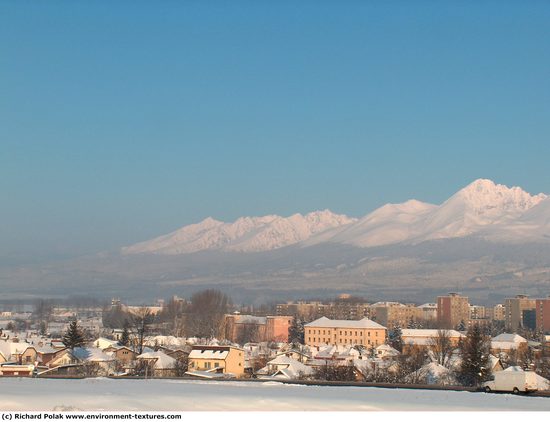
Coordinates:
(120, 127)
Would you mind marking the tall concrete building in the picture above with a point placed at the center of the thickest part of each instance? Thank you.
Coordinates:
(515, 308)
(452, 310)
(543, 314)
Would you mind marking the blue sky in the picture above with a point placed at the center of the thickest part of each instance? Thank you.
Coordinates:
(124, 120)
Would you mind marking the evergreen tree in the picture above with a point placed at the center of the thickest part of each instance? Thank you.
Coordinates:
(43, 328)
(474, 350)
(395, 338)
(125, 337)
(296, 331)
(74, 336)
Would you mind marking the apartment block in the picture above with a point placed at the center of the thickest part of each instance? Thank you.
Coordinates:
(542, 309)
(452, 310)
(391, 314)
(515, 308)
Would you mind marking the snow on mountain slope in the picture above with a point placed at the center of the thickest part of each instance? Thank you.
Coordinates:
(533, 225)
(391, 223)
(483, 208)
(247, 234)
(478, 205)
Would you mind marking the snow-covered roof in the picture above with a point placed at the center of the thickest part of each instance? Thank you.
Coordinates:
(282, 360)
(428, 305)
(514, 369)
(324, 322)
(386, 349)
(434, 373)
(209, 374)
(208, 354)
(91, 354)
(409, 332)
(46, 349)
(163, 361)
(289, 368)
(9, 348)
(103, 343)
(250, 319)
(493, 361)
(512, 338)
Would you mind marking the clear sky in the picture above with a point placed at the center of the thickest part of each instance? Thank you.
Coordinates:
(124, 120)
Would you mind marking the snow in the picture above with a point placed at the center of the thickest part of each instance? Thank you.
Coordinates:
(247, 234)
(483, 208)
(91, 354)
(162, 360)
(511, 338)
(178, 395)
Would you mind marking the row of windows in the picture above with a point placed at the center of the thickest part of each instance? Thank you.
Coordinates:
(342, 333)
(327, 341)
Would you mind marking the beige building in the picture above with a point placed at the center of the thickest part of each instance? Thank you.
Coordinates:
(515, 308)
(344, 308)
(498, 313)
(390, 314)
(364, 332)
(222, 359)
(429, 311)
(452, 310)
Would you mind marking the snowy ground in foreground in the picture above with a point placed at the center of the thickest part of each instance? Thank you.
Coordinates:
(176, 395)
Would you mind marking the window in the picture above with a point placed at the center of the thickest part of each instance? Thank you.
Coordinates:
(27, 358)
(216, 365)
(369, 334)
(207, 365)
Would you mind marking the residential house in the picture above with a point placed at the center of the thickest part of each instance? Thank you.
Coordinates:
(159, 363)
(223, 359)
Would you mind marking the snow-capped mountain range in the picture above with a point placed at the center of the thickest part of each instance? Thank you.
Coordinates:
(247, 234)
(485, 209)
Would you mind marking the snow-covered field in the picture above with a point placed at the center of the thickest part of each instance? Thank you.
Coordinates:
(178, 395)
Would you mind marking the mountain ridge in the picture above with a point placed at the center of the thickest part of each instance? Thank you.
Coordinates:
(482, 208)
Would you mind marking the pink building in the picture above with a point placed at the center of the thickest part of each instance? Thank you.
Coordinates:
(252, 329)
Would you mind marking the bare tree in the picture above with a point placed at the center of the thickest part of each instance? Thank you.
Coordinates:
(206, 313)
(141, 321)
(331, 371)
(248, 333)
(441, 347)
(410, 365)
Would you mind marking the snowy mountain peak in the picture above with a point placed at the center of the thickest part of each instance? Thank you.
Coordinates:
(483, 208)
(483, 195)
(246, 234)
